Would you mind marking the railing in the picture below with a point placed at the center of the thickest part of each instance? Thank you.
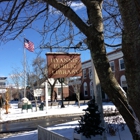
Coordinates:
(44, 134)
(66, 103)
(74, 102)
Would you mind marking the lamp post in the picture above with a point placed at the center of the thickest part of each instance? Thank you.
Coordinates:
(46, 95)
(61, 80)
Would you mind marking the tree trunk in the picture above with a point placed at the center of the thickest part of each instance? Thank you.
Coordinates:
(108, 82)
(95, 41)
(51, 94)
(132, 69)
(111, 86)
(93, 30)
(78, 98)
(52, 88)
(131, 51)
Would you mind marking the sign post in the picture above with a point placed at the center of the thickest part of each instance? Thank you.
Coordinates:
(61, 80)
(46, 95)
(62, 65)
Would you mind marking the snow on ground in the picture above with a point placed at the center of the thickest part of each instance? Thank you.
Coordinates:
(16, 113)
(65, 129)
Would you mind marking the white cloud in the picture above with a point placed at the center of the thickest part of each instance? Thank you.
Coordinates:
(77, 5)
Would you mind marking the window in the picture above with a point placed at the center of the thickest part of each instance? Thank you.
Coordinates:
(85, 89)
(112, 65)
(121, 64)
(123, 81)
(57, 82)
(84, 74)
(49, 92)
(90, 73)
(2, 84)
(59, 91)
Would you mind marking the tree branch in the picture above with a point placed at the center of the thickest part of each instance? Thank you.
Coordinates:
(113, 46)
(69, 13)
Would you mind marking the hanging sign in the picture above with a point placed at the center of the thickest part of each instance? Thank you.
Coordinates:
(61, 65)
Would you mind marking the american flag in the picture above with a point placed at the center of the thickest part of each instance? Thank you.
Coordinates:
(28, 45)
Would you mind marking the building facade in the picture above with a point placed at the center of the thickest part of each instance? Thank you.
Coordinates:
(117, 65)
(87, 80)
(3, 84)
(57, 89)
(87, 90)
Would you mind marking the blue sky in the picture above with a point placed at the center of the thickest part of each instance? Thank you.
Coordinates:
(11, 53)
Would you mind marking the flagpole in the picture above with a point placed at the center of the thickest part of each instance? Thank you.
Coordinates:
(24, 55)
(29, 46)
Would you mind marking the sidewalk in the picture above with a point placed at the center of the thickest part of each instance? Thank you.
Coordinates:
(15, 113)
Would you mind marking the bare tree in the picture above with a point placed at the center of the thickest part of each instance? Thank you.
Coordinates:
(40, 72)
(75, 83)
(17, 78)
(18, 15)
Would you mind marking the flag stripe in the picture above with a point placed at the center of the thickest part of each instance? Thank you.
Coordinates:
(28, 45)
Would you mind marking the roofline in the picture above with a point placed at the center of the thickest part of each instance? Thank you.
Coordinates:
(3, 78)
(61, 53)
(117, 50)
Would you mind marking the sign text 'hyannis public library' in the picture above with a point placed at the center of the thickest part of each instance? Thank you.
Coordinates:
(63, 65)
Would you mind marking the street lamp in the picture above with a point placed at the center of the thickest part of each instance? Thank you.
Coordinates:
(61, 80)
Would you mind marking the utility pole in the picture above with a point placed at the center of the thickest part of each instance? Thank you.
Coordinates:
(98, 95)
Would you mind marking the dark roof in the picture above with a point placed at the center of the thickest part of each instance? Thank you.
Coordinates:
(86, 61)
(3, 78)
(115, 51)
